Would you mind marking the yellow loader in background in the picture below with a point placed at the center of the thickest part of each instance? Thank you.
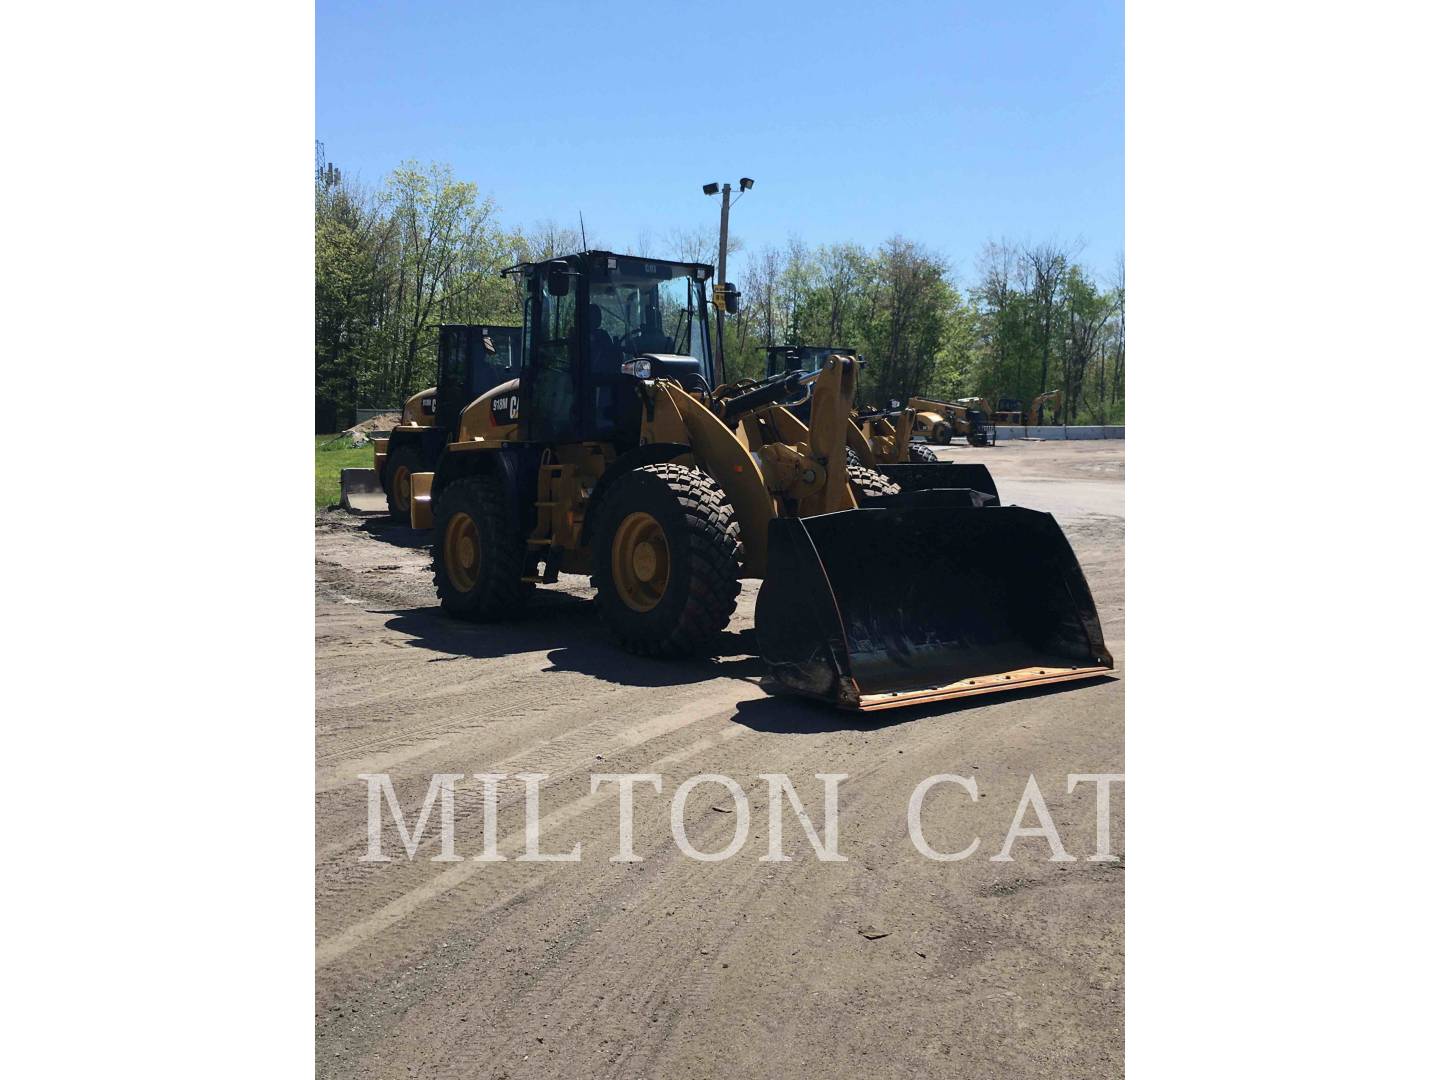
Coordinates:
(469, 361)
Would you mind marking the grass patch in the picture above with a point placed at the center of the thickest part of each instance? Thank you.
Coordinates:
(333, 453)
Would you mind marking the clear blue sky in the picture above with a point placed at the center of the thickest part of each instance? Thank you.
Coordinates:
(949, 123)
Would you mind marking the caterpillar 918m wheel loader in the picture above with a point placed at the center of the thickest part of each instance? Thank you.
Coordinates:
(614, 454)
(469, 361)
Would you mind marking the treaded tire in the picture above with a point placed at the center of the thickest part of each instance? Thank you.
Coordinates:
(498, 591)
(852, 459)
(978, 439)
(407, 457)
(942, 434)
(868, 482)
(920, 454)
(704, 557)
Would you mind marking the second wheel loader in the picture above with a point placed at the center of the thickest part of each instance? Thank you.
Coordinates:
(613, 453)
(889, 435)
(470, 360)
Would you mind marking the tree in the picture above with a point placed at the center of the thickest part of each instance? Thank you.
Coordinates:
(392, 266)
(445, 254)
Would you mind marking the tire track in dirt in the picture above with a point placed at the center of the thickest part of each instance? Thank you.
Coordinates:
(557, 757)
(512, 843)
(669, 989)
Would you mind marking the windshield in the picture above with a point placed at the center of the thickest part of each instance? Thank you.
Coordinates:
(646, 308)
(806, 358)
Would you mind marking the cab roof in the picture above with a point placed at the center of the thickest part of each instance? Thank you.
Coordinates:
(593, 255)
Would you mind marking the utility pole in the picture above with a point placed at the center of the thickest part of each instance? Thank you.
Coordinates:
(720, 291)
(720, 281)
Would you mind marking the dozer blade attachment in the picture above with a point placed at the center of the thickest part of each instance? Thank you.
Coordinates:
(941, 474)
(924, 596)
(361, 493)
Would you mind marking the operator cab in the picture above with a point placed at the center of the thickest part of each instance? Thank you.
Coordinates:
(588, 318)
(473, 361)
(803, 358)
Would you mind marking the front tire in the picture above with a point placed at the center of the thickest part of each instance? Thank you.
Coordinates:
(942, 434)
(400, 466)
(479, 552)
(665, 561)
(921, 454)
(868, 482)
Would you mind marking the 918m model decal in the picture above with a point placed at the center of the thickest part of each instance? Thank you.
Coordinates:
(505, 410)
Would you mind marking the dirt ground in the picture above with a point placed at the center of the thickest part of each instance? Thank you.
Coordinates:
(673, 967)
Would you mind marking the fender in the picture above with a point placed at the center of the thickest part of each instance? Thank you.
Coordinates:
(516, 465)
(649, 454)
(429, 441)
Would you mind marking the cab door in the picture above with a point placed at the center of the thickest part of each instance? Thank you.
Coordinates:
(549, 399)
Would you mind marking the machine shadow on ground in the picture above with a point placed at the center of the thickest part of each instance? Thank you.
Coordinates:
(788, 715)
(568, 628)
(391, 532)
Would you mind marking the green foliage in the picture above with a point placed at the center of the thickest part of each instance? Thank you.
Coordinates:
(1035, 321)
(392, 265)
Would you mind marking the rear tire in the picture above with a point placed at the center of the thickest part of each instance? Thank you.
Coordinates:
(399, 467)
(868, 483)
(479, 552)
(665, 561)
(942, 434)
(920, 454)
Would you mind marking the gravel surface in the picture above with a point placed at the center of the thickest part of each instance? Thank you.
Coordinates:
(884, 965)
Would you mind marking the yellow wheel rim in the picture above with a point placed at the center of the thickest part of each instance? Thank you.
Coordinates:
(640, 561)
(402, 486)
(462, 552)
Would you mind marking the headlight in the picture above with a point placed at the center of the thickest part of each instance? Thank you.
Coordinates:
(639, 368)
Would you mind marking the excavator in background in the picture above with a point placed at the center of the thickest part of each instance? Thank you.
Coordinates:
(1055, 399)
(469, 361)
(612, 452)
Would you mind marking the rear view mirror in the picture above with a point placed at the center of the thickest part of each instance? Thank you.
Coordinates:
(557, 279)
(732, 299)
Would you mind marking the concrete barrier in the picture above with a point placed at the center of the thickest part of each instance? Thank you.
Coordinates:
(1070, 431)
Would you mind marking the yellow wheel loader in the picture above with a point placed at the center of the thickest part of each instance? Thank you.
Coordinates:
(614, 454)
(889, 435)
(469, 361)
(940, 421)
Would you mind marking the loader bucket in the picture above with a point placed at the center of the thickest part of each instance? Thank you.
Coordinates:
(361, 493)
(924, 596)
(943, 474)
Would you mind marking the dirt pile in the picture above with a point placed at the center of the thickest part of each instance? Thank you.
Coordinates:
(360, 434)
